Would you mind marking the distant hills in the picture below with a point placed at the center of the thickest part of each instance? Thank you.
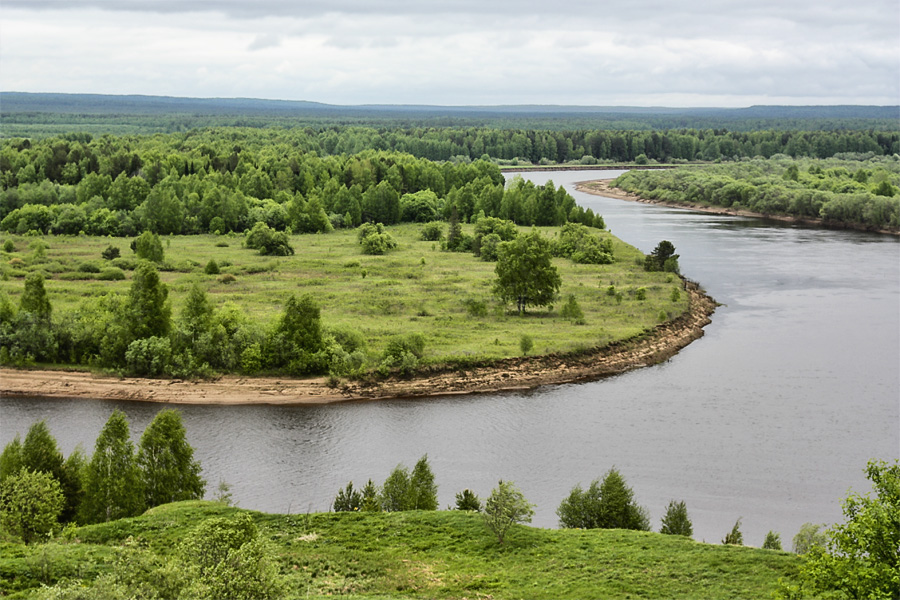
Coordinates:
(19, 102)
(24, 114)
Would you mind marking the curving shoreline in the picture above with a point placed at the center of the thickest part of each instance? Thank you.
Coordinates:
(657, 345)
(602, 187)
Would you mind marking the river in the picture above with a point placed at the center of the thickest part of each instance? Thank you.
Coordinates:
(770, 417)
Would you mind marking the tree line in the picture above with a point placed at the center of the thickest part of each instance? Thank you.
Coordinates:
(216, 182)
(863, 193)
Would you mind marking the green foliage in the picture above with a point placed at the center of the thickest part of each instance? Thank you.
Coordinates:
(169, 472)
(149, 312)
(525, 272)
(11, 458)
(148, 246)
(857, 190)
(9, 246)
(149, 357)
(395, 494)
(435, 554)
(862, 555)
(112, 483)
(34, 299)
(505, 507)
(676, 520)
(212, 267)
(268, 241)
(347, 499)
(227, 558)
(811, 535)
(606, 505)
(370, 501)
(734, 537)
(433, 231)
(663, 258)
(578, 243)
(467, 500)
(772, 541)
(572, 310)
(30, 504)
(110, 252)
(423, 490)
(526, 344)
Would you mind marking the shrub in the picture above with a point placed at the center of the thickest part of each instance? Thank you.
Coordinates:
(30, 504)
(467, 500)
(526, 344)
(378, 243)
(212, 267)
(571, 310)
(432, 231)
(88, 267)
(149, 357)
(9, 246)
(735, 537)
(676, 520)
(268, 241)
(476, 308)
(413, 344)
(772, 541)
(148, 246)
(111, 274)
(110, 252)
(640, 293)
(505, 507)
(604, 505)
(227, 278)
(347, 499)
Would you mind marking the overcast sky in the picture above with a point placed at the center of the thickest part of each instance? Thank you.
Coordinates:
(460, 52)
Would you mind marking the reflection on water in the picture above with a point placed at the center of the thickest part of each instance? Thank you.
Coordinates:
(770, 417)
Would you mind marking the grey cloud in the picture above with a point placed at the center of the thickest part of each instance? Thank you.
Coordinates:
(267, 40)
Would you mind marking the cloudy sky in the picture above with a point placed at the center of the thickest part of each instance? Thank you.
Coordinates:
(460, 52)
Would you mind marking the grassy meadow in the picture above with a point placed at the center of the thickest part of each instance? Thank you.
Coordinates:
(416, 288)
(420, 554)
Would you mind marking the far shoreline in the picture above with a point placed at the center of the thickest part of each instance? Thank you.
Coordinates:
(505, 375)
(602, 187)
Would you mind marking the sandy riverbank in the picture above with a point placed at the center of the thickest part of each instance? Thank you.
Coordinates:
(602, 187)
(504, 375)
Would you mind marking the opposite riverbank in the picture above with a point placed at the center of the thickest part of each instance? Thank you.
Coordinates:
(653, 346)
(603, 187)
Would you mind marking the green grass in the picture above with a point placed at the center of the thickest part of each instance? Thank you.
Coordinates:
(443, 554)
(398, 294)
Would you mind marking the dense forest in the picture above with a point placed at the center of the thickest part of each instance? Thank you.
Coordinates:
(859, 193)
(227, 180)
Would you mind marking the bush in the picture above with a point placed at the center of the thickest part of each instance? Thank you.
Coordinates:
(432, 231)
(467, 500)
(30, 504)
(9, 246)
(772, 541)
(397, 346)
(212, 267)
(111, 274)
(378, 243)
(571, 310)
(148, 246)
(735, 537)
(149, 357)
(505, 507)
(88, 267)
(526, 344)
(476, 308)
(604, 505)
(676, 520)
(227, 278)
(110, 252)
(347, 499)
(268, 241)
(810, 536)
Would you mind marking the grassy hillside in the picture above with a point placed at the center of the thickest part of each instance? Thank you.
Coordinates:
(444, 554)
(416, 288)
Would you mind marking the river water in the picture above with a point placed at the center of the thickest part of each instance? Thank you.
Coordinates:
(770, 417)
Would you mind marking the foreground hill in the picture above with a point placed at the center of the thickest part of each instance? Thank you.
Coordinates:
(443, 554)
